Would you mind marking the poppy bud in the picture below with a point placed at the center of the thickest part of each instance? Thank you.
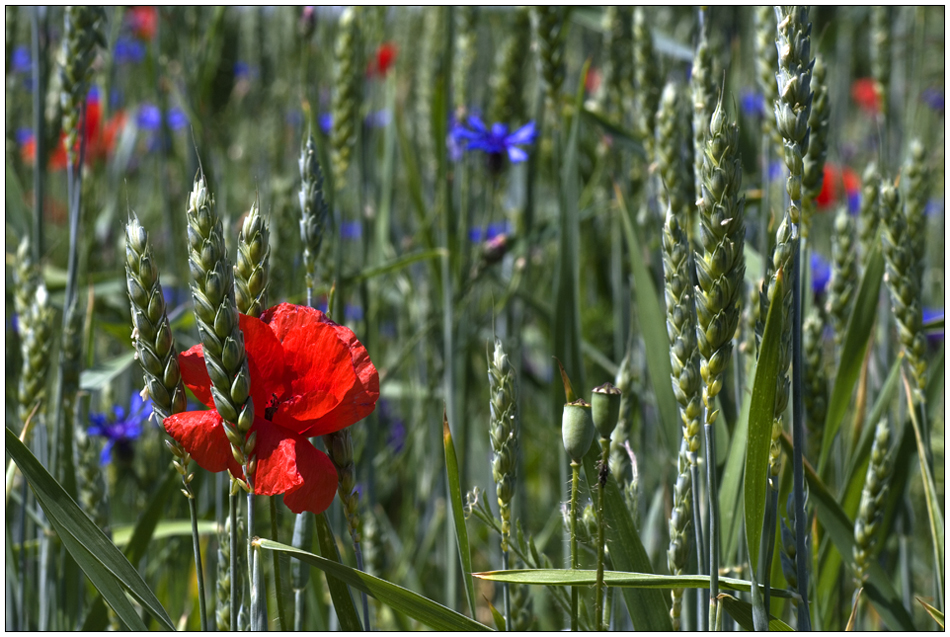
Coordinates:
(577, 429)
(605, 408)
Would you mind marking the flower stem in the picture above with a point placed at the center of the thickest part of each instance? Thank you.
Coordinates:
(798, 435)
(599, 589)
(39, 135)
(193, 511)
(575, 478)
(233, 533)
(505, 592)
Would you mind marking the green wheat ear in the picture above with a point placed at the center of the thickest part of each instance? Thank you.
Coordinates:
(766, 61)
(550, 26)
(217, 318)
(844, 274)
(466, 32)
(252, 269)
(871, 508)
(314, 212)
(816, 378)
(869, 214)
(881, 54)
(814, 160)
(346, 95)
(677, 554)
(918, 177)
(503, 433)
(703, 89)
(617, 93)
(82, 34)
(647, 77)
(509, 77)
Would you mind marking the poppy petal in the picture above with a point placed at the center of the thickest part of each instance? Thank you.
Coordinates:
(195, 375)
(265, 358)
(319, 481)
(201, 433)
(276, 452)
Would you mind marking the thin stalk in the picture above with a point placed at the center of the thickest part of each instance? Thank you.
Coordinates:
(798, 439)
(712, 488)
(700, 544)
(599, 588)
(298, 610)
(768, 540)
(39, 135)
(575, 478)
(233, 533)
(765, 205)
(505, 593)
(359, 567)
(256, 596)
(202, 609)
(277, 572)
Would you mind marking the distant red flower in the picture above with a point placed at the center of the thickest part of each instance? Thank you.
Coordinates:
(100, 140)
(864, 92)
(592, 83)
(852, 183)
(835, 180)
(309, 376)
(143, 21)
(384, 59)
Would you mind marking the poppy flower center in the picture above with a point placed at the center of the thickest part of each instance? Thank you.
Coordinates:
(271, 408)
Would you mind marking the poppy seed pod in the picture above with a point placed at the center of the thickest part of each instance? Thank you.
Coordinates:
(605, 408)
(577, 429)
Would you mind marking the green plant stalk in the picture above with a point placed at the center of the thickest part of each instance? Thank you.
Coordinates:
(599, 587)
(258, 601)
(202, 608)
(575, 478)
(281, 609)
(700, 544)
(506, 594)
(233, 533)
(712, 488)
(798, 439)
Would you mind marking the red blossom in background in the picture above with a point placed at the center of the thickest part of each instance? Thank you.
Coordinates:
(384, 59)
(592, 83)
(309, 377)
(864, 92)
(834, 179)
(143, 21)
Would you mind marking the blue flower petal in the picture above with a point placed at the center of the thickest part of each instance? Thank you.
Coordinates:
(524, 135)
(476, 122)
(516, 155)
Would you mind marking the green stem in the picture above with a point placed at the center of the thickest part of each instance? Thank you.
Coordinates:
(798, 435)
(39, 167)
(193, 512)
(599, 588)
(253, 567)
(281, 610)
(713, 492)
(575, 478)
(298, 610)
(505, 593)
(700, 544)
(359, 567)
(233, 536)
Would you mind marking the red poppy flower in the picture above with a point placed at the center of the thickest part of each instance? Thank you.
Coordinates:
(385, 57)
(309, 377)
(829, 186)
(864, 92)
(592, 83)
(143, 21)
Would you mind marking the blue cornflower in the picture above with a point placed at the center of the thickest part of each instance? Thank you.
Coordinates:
(931, 314)
(496, 229)
(378, 119)
(934, 208)
(129, 51)
(326, 122)
(176, 119)
(933, 97)
(149, 117)
(121, 429)
(820, 273)
(476, 234)
(243, 71)
(775, 170)
(24, 136)
(496, 142)
(854, 202)
(20, 61)
(351, 230)
(353, 313)
(752, 103)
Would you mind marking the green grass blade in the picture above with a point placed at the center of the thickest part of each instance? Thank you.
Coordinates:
(430, 613)
(935, 613)
(655, 339)
(625, 138)
(649, 609)
(934, 516)
(396, 264)
(852, 353)
(339, 593)
(619, 579)
(730, 495)
(102, 562)
(742, 612)
(840, 529)
(458, 514)
(761, 412)
(101, 375)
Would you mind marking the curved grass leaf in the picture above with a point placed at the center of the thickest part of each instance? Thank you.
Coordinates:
(856, 341)
(101, 375)
(396, 264)
(423, 609)
(655, 339)
(742, 612)
(617, 132)
(935, 613)
(567, 577)
(649, 609)
(840, 528)
(731, 503)
(339, 593)
(761, 412)
(934, 516)
(458, 514)
(109, 570)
